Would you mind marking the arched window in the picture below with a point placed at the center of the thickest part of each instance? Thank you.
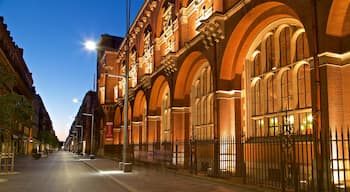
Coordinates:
(284, 43)
(202, 105)
(167, 36)
(302, 48)
(280, 98)
(257, 98)
(148, 51)
(269, 53)
(271, 94)
(165, 117)
(116, 90)
(304, 86)
(286, 90)
(256, 65)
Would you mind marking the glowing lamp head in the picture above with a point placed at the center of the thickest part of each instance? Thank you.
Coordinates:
(90, 45)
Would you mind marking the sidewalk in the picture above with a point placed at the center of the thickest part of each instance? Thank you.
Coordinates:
(144, 179)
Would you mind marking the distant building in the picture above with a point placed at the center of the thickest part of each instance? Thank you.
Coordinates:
(79, 138)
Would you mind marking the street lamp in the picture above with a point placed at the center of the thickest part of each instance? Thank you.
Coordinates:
(75, 141)
(126, 166)
(92, 156)
(90, 45)
(81, 138)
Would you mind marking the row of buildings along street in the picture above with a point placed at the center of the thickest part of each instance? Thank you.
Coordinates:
(25, 125)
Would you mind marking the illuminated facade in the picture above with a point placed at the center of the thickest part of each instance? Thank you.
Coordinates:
(249, 70)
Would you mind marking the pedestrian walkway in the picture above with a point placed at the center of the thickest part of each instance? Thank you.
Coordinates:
(146, 179)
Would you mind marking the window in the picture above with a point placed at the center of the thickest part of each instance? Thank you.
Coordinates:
(286, 90)
(258, 98)
(202, 106)
(271, 94)
(273, 126)
(304, 86)
(256, 65)
(305, 123)
(281, 93)
(165, 117)
(102, 95)
(269, 53)
(259, 128)
(116, 93)
(284, 42)
(302, 49)
(168, 28)
(148, 52)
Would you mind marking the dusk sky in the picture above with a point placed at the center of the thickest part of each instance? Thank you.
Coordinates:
(52, 33)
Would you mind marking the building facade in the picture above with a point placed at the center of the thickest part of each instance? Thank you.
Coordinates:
(239, 87)
(20, 138)
(84, 127)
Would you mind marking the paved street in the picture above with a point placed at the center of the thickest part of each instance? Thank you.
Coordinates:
(59, 172)
(66, 172)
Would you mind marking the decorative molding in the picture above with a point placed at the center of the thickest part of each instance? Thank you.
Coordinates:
(109, 107)
(136, 123)
(146, 82)
(180, 109)
(169, 62)
(328, 58)
(153, 118)
(213, 32)
(233, 94)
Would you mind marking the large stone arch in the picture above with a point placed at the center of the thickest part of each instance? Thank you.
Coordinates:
(187, 73)
(245, 32)
(338, 23)
(158, 88)
(140, 101)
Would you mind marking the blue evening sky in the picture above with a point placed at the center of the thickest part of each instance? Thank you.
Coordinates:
(52, 33)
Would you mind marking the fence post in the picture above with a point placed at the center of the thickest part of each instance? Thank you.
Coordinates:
(176, 152)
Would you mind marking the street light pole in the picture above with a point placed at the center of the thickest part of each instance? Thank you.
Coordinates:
(81, 137)
(126, 165)
(92, 133)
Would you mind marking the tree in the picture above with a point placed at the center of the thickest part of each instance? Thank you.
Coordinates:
(48, 138)
(15, 110)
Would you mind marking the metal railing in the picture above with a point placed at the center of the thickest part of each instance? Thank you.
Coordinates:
(287, 162)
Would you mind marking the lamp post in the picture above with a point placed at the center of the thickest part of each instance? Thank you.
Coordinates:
(125, 165)
(92, 156)
(81, 137)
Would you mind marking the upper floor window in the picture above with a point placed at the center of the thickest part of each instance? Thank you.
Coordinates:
(102, 95)
(116, 90)
(133, 70)
(148, 52)
(168, 28)
(204, 11)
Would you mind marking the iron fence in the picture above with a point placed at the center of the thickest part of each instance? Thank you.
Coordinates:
(311, 162)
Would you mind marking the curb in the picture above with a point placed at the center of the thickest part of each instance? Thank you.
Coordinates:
(122, 184)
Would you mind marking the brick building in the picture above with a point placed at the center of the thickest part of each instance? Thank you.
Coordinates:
(253, 71)
(23, 138)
